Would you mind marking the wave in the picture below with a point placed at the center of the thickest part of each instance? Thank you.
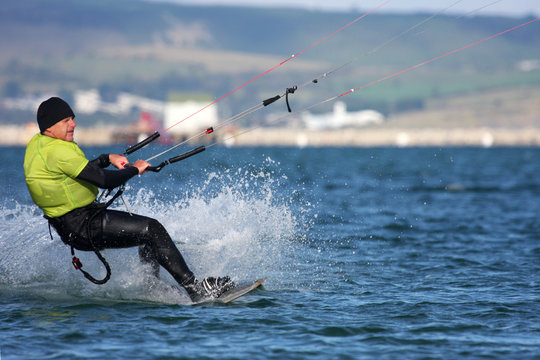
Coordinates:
(239, 223)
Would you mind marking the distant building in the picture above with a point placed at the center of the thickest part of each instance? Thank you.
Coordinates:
(26, 103)
(90, 102)
(126, 102)
(137, 131)
(528, 65)
(340, 118)
(87, 101)
(183, 112)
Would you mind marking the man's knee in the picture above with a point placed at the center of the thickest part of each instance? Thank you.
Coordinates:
(156, 230)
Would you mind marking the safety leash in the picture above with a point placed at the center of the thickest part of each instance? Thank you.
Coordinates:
(78, 266)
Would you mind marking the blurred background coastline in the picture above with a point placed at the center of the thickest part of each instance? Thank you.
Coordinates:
(131, 68)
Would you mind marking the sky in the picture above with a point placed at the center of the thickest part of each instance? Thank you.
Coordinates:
(496, 7)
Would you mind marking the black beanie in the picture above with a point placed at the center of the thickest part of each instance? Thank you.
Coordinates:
(52, 111)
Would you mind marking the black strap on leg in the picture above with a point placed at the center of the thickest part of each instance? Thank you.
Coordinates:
(77, 264)
(50, 232)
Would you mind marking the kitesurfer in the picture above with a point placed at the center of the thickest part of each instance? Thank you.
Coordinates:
(64, 185)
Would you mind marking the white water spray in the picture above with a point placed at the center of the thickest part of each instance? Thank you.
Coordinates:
(234, 224)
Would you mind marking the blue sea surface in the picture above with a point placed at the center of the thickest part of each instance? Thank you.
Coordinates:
(369, 253)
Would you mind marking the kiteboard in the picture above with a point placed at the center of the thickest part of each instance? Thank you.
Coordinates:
(233, 293)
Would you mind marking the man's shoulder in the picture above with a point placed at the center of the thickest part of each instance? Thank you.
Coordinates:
(56, 145)
(35, 139)
(57, 150)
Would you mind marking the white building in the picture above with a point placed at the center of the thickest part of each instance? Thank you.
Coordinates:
(87, 101)
(185, 115)
(528, 65)
(340, 118)
(90, 102)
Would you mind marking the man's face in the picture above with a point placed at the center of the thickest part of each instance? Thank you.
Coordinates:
(63, 129)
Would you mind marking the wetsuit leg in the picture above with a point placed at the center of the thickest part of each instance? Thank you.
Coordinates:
(120, 230)
(148, 257)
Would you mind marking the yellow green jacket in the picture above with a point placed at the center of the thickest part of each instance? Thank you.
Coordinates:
(51, 167)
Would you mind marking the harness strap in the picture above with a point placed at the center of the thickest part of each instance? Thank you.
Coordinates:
(77, 264)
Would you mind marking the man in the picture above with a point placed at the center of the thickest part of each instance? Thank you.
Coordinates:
(64, 184)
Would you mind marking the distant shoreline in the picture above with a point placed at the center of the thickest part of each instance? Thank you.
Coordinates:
(485, 137)
(359, 137)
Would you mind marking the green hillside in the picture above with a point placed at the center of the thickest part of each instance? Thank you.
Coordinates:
(153, 49)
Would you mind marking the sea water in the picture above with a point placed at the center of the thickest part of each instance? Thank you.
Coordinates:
(375, 253)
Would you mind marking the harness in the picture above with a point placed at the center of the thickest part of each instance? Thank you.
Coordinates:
(77, 264)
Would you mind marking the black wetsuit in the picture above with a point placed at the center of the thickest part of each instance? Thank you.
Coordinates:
(94, 227)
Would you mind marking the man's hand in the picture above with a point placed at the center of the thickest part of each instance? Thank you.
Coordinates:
(142, 166)
(118, 161)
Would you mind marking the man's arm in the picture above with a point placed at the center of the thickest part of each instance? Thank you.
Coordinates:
(102, 161)
(106, 179)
